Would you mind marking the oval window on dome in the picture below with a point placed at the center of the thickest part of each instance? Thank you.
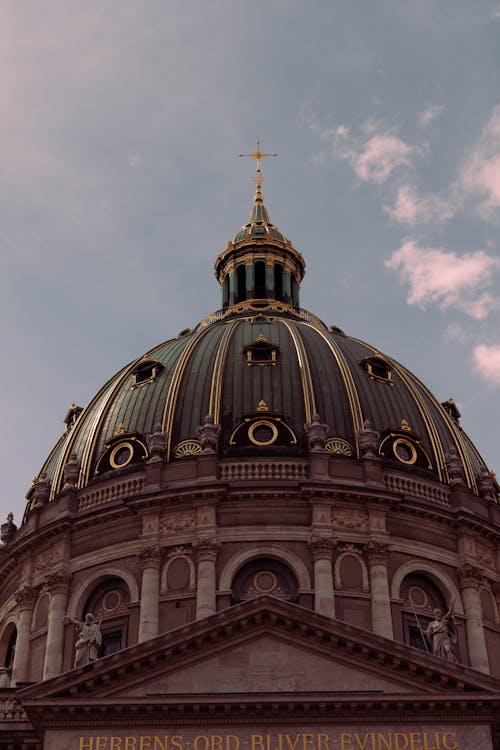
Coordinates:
(263, 432)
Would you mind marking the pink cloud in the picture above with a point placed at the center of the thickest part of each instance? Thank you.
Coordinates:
(413, 209)
(437, 276)
(376, 158)
(480, 175)
(486, 360)
(429, 114)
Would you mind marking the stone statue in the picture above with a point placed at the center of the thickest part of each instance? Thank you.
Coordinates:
(454, 467)
(368, 439)
(88, 641)
(157, 442)
(316, 432)
(486, 484)
(41, 492)
(442, 635)
(208, 435)
(7, 530)
(71, 472)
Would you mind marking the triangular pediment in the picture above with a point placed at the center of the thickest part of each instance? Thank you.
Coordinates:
(265, 646)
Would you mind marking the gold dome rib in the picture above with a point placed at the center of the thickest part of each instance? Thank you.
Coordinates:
(305, 371)
(218, 371)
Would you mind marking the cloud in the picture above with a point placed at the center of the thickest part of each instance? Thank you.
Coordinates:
(495, 12)
(480, 174)
(375, 158)
(412, 209)
(486, 359)
(437, 276)
(429, 114)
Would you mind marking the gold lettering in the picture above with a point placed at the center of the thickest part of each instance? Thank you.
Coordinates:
(416, 737)
(323, 742)
(200, 739)
(400, 738)
(387, 742)
(307, 741)
(345, 741)
(435, 746)
(446, 746)
(100, 743)
(86, 744)
(232, 742)
(292, 745)
(159, 744)
(130, 743)
(216, 742)
(145, 742)
(361, 743)
(115, 743)
(176, 741)
(257, 742)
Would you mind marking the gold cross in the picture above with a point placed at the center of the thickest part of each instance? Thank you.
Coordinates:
(258, 155)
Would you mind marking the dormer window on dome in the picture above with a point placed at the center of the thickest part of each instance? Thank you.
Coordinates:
(145, 372)
(377, 368)
(405, 446)
(122, 450)
(261, 352)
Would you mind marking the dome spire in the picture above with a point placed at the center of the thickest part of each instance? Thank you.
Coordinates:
(258, 155)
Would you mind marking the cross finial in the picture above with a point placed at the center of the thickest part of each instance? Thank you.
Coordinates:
(258, 155)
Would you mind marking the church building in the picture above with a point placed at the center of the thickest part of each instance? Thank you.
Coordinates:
(262, 534)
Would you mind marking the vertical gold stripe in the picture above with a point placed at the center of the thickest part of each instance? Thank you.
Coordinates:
(454, 435)
(348, 380)
(413, 384)
(305, 372)
(174, 387)
(218, 371)
(105, 394)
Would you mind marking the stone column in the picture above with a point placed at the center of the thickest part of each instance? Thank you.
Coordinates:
(324, 598)
(470, 578)
(149, 613)
(378, 554)
(26, 598)
(57, 586)
(207, 550)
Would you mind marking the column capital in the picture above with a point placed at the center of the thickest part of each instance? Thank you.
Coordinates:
(207, 549)
(150, 557)
(26, 597)
(322, 547)
(57, 583)
(470, 576)
(378, 552)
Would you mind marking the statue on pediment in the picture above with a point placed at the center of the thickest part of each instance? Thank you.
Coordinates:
(88, 640)
(442, 634)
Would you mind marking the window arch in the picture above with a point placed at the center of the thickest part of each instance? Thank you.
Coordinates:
(264, 575)
(241, 283)
(420, 597)
(260, 279)
(8, 645)
(278, 282)
(225, 291)
(109, 603)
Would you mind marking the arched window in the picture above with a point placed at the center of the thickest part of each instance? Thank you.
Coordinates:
(278, 281)
(260, 279)
(264, 576)
(109, 603)
(225, 291)
(241, 282)
(295, 291)
(420, 598)
(8, 646)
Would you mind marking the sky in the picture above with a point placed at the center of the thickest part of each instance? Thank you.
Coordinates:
(120, 128)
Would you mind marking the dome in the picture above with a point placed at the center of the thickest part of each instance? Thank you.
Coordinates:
(291, 364)
(263, 371)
